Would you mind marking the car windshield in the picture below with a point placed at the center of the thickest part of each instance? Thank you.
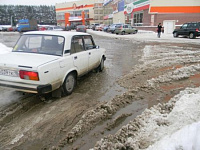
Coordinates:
(40, 44)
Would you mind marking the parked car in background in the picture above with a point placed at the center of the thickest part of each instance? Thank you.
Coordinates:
(43, 61)
(55, 28)
(190, 29)
(113, 27)
(42, 28)
(93, 25)
(99, 27)
(125, 29)
(105, 28)
(5, 29)
(81, 28)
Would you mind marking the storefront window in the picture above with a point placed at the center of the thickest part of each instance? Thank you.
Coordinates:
(137, 19)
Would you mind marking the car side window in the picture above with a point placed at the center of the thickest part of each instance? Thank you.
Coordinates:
(190, 25)
(184, 26)
(125, 26)
(89, 44)
(77, 44)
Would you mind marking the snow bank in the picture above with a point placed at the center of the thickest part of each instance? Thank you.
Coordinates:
(183, 133)
(4, 49)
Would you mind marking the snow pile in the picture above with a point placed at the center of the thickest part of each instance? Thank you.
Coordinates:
(178, 74)
(170, 126)
(4, 49)
(182, 133)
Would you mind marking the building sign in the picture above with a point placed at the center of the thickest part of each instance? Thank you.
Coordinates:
(136, 6)
(79, 18)
(171, 6)
(128, 8)
(106, 2)
(78, 7)
(121, 6)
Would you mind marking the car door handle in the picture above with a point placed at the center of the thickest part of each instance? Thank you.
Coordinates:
(75, 57)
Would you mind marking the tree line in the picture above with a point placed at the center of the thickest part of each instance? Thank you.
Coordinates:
(12, 13)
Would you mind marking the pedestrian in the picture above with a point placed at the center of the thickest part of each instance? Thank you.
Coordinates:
(159, 29)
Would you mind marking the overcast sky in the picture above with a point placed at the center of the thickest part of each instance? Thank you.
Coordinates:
(32, 2)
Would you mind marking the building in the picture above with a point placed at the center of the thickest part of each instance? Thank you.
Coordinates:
(79, 12)
(146, 14)
(172, 13)
(113, 11)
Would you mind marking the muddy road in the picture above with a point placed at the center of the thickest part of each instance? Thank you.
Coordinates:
(137, 75)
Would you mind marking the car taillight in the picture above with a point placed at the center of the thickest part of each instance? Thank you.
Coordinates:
(28, 75)
(197, 29)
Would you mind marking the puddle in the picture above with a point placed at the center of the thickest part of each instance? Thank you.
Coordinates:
(88, 141)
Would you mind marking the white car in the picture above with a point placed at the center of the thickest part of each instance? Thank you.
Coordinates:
(43, 61)
(55, 28)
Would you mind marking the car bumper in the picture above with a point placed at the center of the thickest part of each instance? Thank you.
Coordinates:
(30, 88)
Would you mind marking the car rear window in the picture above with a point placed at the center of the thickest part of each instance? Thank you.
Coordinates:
(40, 44)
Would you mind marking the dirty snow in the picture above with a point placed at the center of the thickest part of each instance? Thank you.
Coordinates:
(171, 126)
(4, 49)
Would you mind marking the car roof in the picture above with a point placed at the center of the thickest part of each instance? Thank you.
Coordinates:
(57, 33)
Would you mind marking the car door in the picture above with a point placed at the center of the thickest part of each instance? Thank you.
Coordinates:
(126, 29)
(130, 30)
(183, 29)
(79, 55)
(92, 51)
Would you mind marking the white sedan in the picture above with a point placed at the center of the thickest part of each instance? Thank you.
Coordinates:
(43, 61)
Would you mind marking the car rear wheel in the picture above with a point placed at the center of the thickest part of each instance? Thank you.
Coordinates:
(101, 66)
(69, 83)
(175, 34)
(192, 36)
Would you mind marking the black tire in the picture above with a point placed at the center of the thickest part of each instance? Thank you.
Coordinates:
(101, 66)
(69, 83)
(123, 33)
(192, 36)
(134, 32)
(175, 34)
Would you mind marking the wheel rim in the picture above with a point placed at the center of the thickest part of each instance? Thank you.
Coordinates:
(69, 84)
(191, 35)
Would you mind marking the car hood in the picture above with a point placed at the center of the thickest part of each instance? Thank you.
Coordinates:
(27, 60)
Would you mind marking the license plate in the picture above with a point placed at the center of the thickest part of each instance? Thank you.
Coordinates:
(7, 72)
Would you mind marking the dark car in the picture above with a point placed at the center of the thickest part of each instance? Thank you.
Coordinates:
(81, 28)
(190, 29)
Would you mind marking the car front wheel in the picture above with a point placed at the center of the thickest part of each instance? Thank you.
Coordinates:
(69, 83)
(175, 34)
(123, 33)
(192, 36)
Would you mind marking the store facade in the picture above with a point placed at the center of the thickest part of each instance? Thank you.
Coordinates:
(136, 13)
(79, 12)
(172, 14)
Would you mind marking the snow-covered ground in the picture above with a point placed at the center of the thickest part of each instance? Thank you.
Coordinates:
(178, 129)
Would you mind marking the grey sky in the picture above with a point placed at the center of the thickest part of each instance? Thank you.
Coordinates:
(32, 2)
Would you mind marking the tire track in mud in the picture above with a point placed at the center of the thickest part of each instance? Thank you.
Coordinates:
(141, 86)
